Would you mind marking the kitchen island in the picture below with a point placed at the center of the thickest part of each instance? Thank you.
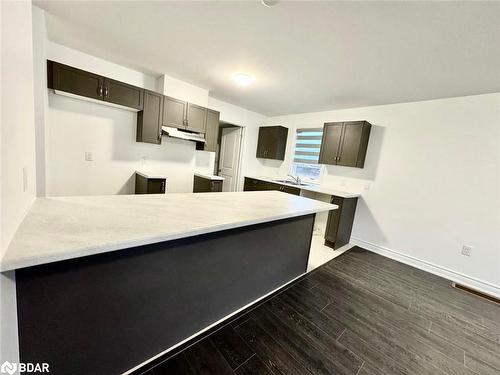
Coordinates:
(106, 283)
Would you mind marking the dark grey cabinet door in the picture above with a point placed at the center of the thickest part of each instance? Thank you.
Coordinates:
(156, 186)
(271, 143)
(149, 119)
(345, 143)
(174, 112)
(75, 81)
(145, 185)
(351, 141)
(211, 130)
(330, 144)
(196, 117)
(340, 222)
(123, 94)
(332, 225)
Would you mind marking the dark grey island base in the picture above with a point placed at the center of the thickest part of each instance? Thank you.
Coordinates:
(107, 313)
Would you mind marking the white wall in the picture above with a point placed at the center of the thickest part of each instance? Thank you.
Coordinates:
(17, 149)
(433, 173)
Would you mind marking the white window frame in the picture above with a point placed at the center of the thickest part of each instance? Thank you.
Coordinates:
(293, 163)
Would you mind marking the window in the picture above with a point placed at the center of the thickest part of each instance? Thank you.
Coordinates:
(306, 154)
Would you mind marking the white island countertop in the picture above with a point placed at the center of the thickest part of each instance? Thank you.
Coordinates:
(150, 174)
(311, 187)
(62, 228)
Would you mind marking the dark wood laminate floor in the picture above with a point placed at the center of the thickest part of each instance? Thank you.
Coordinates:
(358, 314)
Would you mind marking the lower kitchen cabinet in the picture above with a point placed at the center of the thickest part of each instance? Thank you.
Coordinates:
(340, 221)
(144, 185)
(206, 185)
(253, 184)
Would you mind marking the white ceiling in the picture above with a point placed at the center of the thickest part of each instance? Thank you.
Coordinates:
(306, 56)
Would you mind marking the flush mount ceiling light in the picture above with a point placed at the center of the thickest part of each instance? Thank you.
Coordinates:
(243, 79)
(269, 3)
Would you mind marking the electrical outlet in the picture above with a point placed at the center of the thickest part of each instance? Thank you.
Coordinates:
(89, 156)
(466, 250)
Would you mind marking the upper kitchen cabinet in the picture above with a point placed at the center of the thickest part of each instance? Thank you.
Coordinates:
(74, 81)
(211, 131)
(123, 94)
(82, 83)
(345, 143)
(196, 117)
(272, 142)
(149, 119)
(182, 115)
(174, 112)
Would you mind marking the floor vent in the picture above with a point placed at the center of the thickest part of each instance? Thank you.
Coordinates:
(476, 293)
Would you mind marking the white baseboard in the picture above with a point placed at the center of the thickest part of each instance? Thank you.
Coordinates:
(471, 282)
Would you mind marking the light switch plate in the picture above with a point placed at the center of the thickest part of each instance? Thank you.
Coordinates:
(89, 156)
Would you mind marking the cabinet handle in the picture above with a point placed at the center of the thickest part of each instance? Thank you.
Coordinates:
(99, 90)
(105, 91)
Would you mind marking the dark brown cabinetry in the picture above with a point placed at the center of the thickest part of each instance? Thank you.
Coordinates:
(149, 119)
(174, 112)
(253, 184)
(206, 185)
(74, 81)
(80, 82)
(340, 221)
(211, 131)
(345, 143)
(145, 185)
(196, 117)
(155, 109)
(272, 142)
(182, 115)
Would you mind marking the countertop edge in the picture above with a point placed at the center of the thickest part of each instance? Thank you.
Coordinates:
(106, 248)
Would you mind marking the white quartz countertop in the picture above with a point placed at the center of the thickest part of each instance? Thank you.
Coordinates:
(209, 176)
(150, 174)
(62, 228)
(313, 188)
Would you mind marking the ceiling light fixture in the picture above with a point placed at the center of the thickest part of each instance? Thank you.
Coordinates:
(269, 3)
(243, 79)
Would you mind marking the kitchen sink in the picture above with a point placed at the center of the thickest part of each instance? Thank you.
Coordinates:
(291, 182)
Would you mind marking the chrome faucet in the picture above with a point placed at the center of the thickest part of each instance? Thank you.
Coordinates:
(295, 178)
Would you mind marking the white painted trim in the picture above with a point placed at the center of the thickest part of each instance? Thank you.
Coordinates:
(208, 327)
(471, 282)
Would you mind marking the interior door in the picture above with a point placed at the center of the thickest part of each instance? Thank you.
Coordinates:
(229, 157)
(332, 134)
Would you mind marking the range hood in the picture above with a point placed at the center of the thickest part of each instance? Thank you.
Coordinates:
(177, 133)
